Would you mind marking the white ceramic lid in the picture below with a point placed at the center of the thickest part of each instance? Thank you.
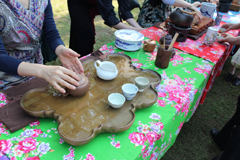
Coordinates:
(129, 35)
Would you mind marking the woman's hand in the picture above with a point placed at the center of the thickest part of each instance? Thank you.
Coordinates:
(196, 4)
(57, 76)
(182, 3)
(198, 12)
(230, 26)
(133, 25)
(69, 59)
(230, 39)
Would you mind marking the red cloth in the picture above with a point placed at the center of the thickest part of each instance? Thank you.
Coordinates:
(153, 33)
(195, 47)
(198, 48)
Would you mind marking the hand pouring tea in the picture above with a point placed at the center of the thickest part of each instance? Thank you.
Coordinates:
(106, 70)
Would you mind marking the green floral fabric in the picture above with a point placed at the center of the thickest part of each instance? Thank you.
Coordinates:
(153, 132)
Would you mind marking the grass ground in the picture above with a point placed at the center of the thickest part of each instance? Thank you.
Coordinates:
(194, 141)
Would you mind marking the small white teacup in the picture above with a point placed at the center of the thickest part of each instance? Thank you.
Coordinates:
(222, 30)
(141, 83)
(116, 100)
(219, 38)
(129, 90)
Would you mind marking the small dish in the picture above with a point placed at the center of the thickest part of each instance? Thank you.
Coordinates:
(141, 83)
(129, 90)
(116, 100)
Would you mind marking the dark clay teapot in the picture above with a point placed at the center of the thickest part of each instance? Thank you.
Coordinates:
(168, 40)
(182, 17)
(80, 90)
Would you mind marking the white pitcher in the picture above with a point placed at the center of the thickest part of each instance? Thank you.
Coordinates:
(106, 70)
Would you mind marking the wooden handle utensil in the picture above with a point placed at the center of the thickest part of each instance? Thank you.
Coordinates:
(173, 41)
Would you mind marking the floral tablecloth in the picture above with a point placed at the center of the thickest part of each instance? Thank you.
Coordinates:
(153, 132)
(217, 53)
(230, 17)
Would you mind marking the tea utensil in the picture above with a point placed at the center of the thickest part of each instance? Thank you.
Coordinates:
(173, 41)
(141, 83)
(116, 100)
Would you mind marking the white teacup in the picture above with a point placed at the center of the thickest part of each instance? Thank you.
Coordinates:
(116, 100)
(129, 90)
(219, 38)
(141, 83)
(222, 30)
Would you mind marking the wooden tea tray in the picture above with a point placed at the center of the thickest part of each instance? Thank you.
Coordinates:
(82, 119)
(196, 29)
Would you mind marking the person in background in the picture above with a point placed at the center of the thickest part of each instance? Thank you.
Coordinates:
(21, 24)
(228, 138)
(82, 14)
(154, 11)
(234, 41)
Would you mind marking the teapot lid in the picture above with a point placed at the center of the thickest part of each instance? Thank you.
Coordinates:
(83, 79)
(168, 39)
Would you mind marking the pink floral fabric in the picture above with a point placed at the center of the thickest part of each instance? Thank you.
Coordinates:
(152, 133)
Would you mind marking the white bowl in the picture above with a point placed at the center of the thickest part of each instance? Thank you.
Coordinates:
(129, 90)
(128, 40)
(116, 100)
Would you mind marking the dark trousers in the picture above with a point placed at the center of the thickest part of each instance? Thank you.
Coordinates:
(229, 138)
(82, 31)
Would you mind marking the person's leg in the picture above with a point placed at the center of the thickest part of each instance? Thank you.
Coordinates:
(221, 137)
(82, 33)
(236, 80)
(232, 149)
(230, 73)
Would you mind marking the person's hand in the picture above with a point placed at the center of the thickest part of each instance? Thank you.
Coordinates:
(198, 12)
(230, 26)
(230, 39)
(139, 29)
(69, 59)
(196, 4)
(227, 26)
(59, 76)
